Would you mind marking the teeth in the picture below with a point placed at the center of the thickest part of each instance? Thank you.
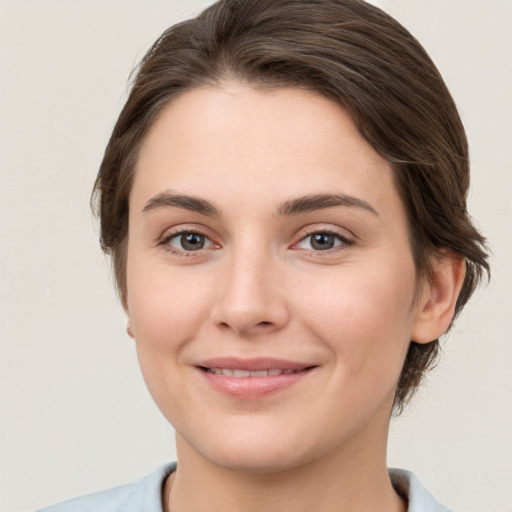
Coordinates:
(236, 373)
(262, 373)
(228, 372)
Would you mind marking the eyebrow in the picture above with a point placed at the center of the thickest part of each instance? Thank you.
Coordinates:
(194, 204)
(294, 206)
(321, 201)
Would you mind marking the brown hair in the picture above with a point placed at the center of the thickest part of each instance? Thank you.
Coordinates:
(348, 51)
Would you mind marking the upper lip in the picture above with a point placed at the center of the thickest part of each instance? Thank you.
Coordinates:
(253, 364)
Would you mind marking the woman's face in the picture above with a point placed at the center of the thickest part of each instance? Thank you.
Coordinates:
(271, 286)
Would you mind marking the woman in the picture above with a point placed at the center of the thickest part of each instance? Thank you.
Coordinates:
(283, 197)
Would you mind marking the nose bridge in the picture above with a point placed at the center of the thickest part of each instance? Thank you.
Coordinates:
(249, 298)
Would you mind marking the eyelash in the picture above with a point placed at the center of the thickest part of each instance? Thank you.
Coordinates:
(166, 242)
(339, 236)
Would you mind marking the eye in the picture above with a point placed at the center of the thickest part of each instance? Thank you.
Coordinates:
(322, 241)
(188, 241)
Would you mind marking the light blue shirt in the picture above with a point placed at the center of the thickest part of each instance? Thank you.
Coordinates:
(146, 495)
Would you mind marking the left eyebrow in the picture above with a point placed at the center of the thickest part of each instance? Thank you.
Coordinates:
(321, 201)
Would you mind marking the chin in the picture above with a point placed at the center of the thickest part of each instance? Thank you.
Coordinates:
(256, 452)
(260, 462)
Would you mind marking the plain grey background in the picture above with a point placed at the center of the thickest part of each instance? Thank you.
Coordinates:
(75, 416)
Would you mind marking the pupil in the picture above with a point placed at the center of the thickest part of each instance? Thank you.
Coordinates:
(322, 241)
(192, 241)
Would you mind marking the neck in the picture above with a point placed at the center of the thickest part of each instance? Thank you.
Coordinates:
(354, 479)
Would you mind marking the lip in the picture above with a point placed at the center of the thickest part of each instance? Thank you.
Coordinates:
(252, 387)
(254, 364)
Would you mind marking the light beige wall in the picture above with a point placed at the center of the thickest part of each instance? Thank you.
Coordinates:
(74, 414)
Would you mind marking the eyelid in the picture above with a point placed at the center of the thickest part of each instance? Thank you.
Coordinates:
(341, 234)
(346, 237)
(174, 232)
(207, 242)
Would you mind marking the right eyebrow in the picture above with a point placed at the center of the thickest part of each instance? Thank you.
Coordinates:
(169, 200)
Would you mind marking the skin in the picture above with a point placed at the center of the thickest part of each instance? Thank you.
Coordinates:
(259, 288)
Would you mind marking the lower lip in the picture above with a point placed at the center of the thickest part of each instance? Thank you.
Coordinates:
(253, 387)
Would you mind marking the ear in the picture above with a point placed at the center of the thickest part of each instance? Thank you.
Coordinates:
(129, 325)
(129, 329)
(436, 304)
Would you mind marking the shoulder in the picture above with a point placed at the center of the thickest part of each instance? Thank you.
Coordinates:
(408, 486)
(145, 494)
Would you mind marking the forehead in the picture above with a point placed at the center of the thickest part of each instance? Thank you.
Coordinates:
(237, 144)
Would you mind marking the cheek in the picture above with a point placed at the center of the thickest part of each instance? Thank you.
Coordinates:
(166, 311)
(165, 308)
(365, 317)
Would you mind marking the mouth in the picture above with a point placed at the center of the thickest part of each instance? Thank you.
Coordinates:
(241, 374)
(253, 378)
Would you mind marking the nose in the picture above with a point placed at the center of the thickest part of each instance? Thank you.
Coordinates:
(251, 299)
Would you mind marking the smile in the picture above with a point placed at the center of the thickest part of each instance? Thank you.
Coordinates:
(241, 374)
(249, 379)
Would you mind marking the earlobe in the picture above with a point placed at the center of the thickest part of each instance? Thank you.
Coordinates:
(436, 306)
(129, 329)
(129, 325)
